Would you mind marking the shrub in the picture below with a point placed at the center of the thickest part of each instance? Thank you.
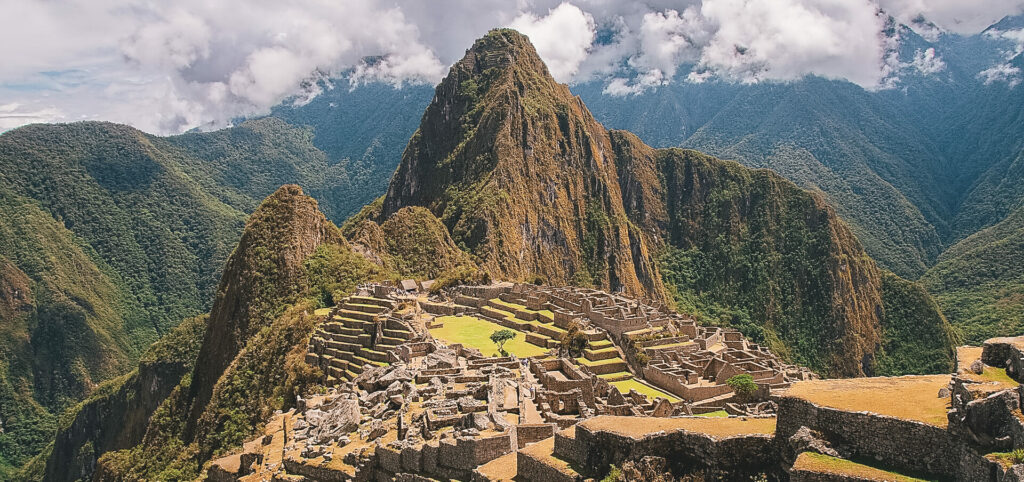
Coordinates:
(573, 341)
(1017, 456)
(614, 475)
(743, 385)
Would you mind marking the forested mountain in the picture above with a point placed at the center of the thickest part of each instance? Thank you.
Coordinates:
(109, 237)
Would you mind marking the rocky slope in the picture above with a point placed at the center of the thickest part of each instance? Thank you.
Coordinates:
(528, 182)
(522, 175)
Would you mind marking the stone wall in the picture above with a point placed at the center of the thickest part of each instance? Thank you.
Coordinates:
(893, 442)
(534, 432)
(686, 452)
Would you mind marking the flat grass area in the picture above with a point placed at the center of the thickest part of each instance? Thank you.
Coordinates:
(610, 361)
(715, 414)
(321, 312)
(625, 386)
(475, 333)
(908, 397)
(715, 427)
(994, 374)
(815, 462)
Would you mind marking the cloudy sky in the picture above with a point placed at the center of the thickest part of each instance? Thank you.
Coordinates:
(166, 67)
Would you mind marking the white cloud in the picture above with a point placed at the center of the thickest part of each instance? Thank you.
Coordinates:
(960, 16)
(169, 66)
(926, 62)
(1005, 71)
(562, 38)
(1001, 73)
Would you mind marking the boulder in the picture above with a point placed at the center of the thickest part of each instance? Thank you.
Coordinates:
(339, 419)
(807, 440)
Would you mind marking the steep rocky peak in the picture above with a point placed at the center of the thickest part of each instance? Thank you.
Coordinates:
(260, 276)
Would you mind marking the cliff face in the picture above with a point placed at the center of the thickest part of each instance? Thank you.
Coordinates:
(526, 180)
(521, 174)
(760, 245)
(117, 415)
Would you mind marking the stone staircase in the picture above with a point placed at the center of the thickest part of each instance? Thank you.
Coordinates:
(358, 333)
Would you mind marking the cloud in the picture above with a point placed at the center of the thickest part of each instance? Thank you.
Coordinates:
(926, 62)
(562, 38)
(166, 67)
(1005, 71)
(959, 16)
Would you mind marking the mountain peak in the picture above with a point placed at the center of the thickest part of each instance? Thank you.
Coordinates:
(502, 48)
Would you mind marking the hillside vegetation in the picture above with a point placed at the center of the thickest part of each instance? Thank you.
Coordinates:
(122, 235)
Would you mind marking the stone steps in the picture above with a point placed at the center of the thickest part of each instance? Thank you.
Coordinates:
(389, 341)
(402, 334)
(356, 315)
(340, 328)
(374, 355)
(604, 366)
(373, 309)
(369, 300)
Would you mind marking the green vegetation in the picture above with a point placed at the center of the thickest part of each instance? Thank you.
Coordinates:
(573, 341)
(979, 282)
(123, 235)
(917, 338)
(813, 461)
(743, 385)
(614, 474)
(475, 333)
(652, 393)
(251, 361)
(715, 414)
(499, 338)
(1013, 457)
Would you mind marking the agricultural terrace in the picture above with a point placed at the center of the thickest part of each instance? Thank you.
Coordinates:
(824, 464)
(474, 332)
(908, 397)
(715, 427)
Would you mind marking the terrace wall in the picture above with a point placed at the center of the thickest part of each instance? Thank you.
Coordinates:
(684, 451)
(894, 442)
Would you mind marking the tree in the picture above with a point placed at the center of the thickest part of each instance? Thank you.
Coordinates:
(573, 340)
(499, 337)
(743, 385)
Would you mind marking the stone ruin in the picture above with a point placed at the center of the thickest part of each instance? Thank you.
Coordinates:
(400, 405)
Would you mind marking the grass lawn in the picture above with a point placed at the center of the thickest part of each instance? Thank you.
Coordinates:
(625, 386)
(476, 333)
(716, 413)
(816, 462)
